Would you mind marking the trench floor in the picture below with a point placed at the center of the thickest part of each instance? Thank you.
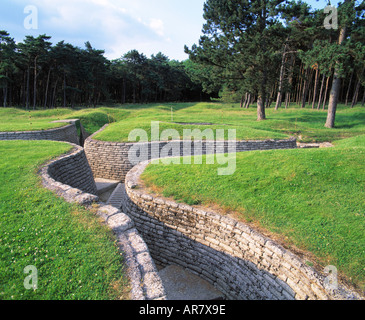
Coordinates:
(179, 283)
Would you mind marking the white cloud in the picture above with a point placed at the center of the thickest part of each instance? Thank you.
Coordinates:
(105, 24)
(157, 25)
(83, 15)
(118, 26)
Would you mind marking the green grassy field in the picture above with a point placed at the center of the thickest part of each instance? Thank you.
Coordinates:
(75, 255)
(306, 125)
(312, 199)
(12, 119)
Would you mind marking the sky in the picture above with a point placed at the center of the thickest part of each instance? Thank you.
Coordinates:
(116, 26)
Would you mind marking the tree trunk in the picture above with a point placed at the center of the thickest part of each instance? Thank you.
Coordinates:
(124, 91)
(268, 103)
(47, 87)
(54, 94)
(243, 100)
(332, 107)
(310, 95)
(300, 84)
(262, 94)
(260, 109)
(356, 94)
(35, 83)
(291, 76)
(348, 89)
(287, 100)
(64, 89)
(305, 88)
(336, 86)
(248, 101)
(315, 88)
(5, 92)
(10, 95)
(24, 89)
(326, 93)
(321, 92)
(261, 100)
(28, 88)
(281, 81)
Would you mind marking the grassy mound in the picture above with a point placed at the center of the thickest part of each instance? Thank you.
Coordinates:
(75, 255)
(312, 199)
(13, 119)
(306, 125)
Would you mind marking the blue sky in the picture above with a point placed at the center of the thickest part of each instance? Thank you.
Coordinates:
(115, 26)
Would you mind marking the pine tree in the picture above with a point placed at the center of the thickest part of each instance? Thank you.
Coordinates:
(347, 18)
(241, 41)
(7, 62)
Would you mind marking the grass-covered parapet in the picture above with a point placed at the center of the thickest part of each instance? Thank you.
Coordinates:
(74, 256)
(306, 125)
(311, 199)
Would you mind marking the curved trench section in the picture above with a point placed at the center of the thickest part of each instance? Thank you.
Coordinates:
(111, 160)
(237, 260)
(70, 177)
(74, 171)
(68, 133)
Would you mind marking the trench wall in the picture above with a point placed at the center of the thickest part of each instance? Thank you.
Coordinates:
(67, 134)
(237, 260)
(70, 177)
(110, 160)
(73, 170)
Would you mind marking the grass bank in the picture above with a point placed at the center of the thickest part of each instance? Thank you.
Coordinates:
(306, 125)
(13, 119)
(76, 257)
(311, 199)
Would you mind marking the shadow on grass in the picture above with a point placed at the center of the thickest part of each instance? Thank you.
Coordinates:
(161, 106)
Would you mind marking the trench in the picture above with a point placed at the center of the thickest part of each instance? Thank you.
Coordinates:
(234, 261)
(199, 255)
(203, 255)
(190, 262)
(179, 283)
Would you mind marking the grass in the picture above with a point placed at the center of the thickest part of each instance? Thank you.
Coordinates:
(76, 256)
(311, 199)
(306, 125)
(13, 119)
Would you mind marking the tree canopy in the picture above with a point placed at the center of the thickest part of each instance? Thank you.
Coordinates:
(271, 52)
(35, 73)
(266, 50)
